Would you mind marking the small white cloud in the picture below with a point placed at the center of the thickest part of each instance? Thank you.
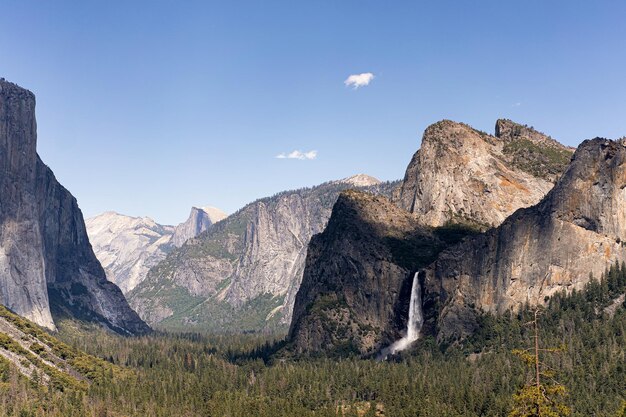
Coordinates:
(359, 80)
(297, 155)
(517, 104)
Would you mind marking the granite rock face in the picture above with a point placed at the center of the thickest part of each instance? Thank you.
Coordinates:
(243, 273)
(578, 229)
(462, 175)
(47, 266)
(198, 221)
(23, 285)
(127, 247)
(461, 182)
(354, 297)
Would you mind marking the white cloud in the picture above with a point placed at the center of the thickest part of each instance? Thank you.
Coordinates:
(297, 155)
(519, 103)
(359, 80)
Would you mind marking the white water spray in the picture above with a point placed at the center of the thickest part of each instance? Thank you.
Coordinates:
(414, 325)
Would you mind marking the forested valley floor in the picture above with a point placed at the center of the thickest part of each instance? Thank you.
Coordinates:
(251, 375)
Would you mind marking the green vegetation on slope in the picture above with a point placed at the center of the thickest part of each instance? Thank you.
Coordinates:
(541, 161)
(225, 241)
(215, 316)
(195, 375)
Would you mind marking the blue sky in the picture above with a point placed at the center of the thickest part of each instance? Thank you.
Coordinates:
(148, 108)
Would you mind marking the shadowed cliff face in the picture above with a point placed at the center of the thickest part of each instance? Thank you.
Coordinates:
(46, 263)
(243, 272)
(200, 219)
(578, 229)
(354, 296)
(462, 175)
(355, 292)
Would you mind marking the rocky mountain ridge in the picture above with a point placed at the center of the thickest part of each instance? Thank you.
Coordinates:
(244, 272)
(47, 266)
(459, 184)
(127, 247)
(575, 232)
(463, 175)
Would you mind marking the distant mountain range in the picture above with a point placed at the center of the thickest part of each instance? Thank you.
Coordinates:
(242, 274)
(482, 224)
(127, 247)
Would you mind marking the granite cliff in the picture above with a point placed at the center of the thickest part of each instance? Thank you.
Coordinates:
(243, 273)
(127, 247)
(463, 175)
(47, 266)
(459, 184)
(356, 284)
(199, 220)
(576, 231)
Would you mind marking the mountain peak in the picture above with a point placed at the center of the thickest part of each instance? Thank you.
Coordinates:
(463, 175)
(214, 214)
(509, 130)
(360, 180)
(576, 230)
(199, 220)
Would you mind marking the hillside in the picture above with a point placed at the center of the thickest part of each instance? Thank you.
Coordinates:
(27, 353)
(244, 272)
(241, 376)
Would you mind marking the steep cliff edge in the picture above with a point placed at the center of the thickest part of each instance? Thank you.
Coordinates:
(127, 247)
(460, 182)
(47, 266)
(354, 296)
(578, 229)
(243, 273)
(198, 221)
(462, 175)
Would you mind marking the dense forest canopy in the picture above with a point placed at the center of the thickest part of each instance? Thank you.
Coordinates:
(202, 375)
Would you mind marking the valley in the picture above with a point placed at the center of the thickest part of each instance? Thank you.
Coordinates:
(393, 239)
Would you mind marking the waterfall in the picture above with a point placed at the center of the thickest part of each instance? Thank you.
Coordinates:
(414, 324)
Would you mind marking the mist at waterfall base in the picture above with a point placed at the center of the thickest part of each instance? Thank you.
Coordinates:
(414, 324)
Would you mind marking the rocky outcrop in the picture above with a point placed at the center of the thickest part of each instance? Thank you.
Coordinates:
(198, 221)
(531, 151)
(460, 182)
(577, 230)
(360, 180)
(243, 273)
(127, 247)
(462, 175)
(22, 261)
(47, 266)
(355, 292)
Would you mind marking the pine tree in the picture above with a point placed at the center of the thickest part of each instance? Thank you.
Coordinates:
(541, 396)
